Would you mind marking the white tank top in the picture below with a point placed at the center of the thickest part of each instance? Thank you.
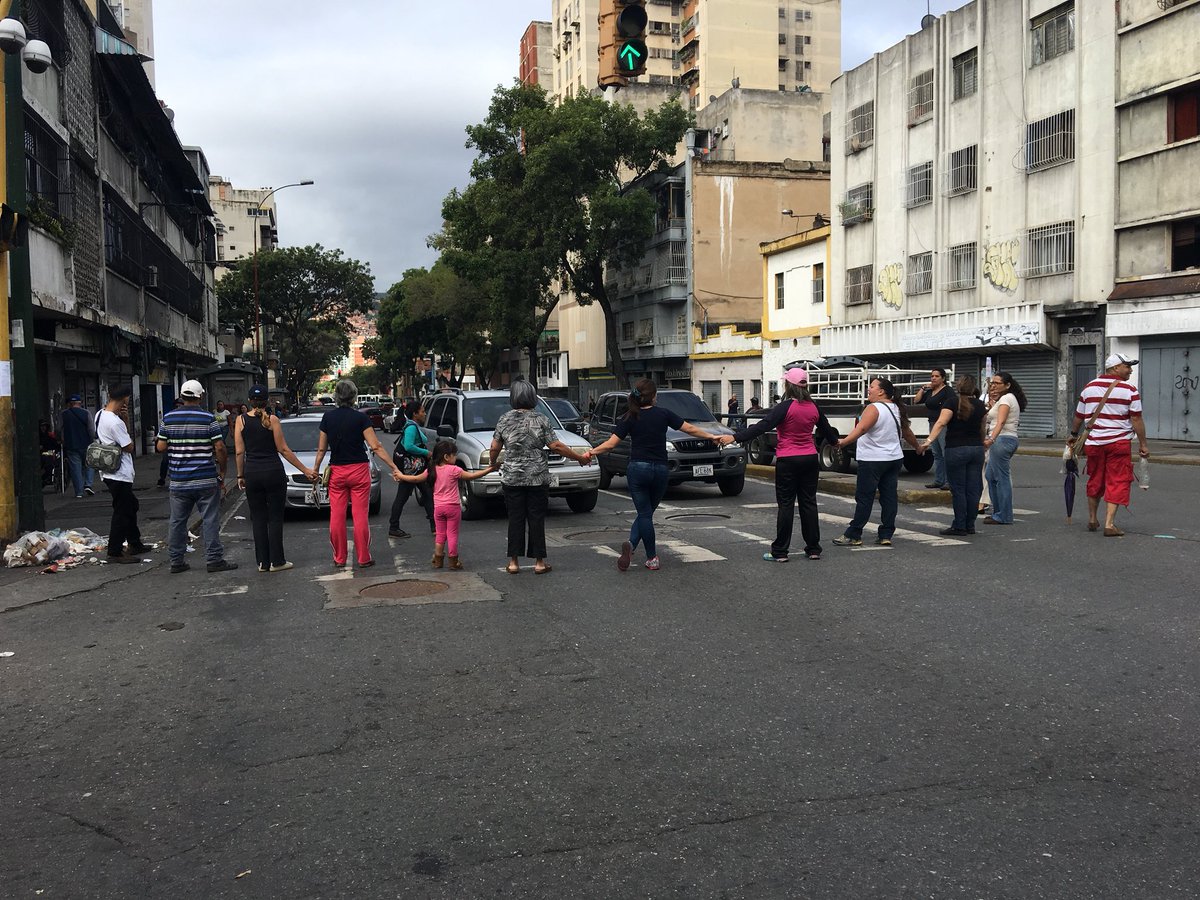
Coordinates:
(881, 443)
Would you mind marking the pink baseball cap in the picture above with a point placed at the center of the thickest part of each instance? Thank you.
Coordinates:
(796, 376)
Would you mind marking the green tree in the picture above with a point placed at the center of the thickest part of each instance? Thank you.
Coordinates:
(553, 202)
(307, 295)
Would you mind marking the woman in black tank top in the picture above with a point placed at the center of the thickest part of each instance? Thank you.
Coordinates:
(259, 444)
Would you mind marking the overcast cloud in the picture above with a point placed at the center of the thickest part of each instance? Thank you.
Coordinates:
(370, 98)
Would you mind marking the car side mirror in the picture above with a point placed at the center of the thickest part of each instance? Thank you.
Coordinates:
(445, 431)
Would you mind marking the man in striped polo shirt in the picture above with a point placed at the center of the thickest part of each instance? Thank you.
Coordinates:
(196, 457)
(1109, 461)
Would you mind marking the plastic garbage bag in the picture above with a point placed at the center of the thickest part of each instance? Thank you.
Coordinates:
(35, 548)
(1143, 473)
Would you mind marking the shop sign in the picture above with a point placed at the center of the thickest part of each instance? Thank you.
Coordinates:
(1007, 335)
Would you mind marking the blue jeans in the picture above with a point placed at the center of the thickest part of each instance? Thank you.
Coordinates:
(999, 477)
(207, 503)
(81, 475)
(964, 468)
(882, 476)
(938, 449)
(647, 486)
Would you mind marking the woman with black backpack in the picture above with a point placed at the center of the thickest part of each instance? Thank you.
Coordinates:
(410, 448)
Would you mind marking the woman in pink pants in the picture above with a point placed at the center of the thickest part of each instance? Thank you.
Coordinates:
(346, 434)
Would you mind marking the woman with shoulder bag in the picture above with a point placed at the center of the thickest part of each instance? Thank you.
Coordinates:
(412, 456)
(964, 454)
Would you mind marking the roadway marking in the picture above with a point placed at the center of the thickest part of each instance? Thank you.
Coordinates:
(680, 550)
(226, 592)
(917, 537)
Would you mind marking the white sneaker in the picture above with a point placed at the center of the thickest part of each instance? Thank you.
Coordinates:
(282, 568)
(652, 563)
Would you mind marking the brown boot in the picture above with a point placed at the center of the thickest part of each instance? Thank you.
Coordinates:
(436, 562)
(454, 563)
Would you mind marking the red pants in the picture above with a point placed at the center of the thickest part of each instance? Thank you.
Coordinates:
(1109, 471)
(350, 483)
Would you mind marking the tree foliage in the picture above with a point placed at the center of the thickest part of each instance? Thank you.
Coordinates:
(551, 203)
(307, 295)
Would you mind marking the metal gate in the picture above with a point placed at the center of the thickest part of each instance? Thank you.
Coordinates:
(1168, 382)
(1035, 372)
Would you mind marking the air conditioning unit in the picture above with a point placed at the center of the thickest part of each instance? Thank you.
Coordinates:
(151, 276)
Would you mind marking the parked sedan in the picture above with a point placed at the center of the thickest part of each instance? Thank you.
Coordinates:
(375, 414)
(302, 433)
(568, 414)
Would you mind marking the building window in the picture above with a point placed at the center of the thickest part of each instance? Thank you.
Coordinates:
(860, 127)
(961, 172)
(779, 290)
(919, 186)
(1185, 245)
(645, 331)
(920, 274)
(1050, 141)
(1053, 33)
(858, 285)
(818, 293)
(966, 73)
(961, 267)
(1183, 111)
(627, 331)
(1050, 249)
(42, 154)
(920, 98)
(858, 205)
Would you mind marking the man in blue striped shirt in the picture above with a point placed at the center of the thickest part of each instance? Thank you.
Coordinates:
(196, 458)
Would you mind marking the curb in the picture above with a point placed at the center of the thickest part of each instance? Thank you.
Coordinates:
(1156, 460)
(846, 485)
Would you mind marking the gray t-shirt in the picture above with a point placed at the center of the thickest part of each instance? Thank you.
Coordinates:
(524, 434)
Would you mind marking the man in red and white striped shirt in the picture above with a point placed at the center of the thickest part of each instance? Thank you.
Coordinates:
(1109, 462)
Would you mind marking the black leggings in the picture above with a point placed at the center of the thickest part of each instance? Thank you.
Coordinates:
(266, 495)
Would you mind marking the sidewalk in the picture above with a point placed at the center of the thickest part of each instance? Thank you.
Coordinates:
(27, 585)
(1168, 453)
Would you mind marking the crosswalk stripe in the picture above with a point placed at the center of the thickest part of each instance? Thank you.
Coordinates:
(917, 537)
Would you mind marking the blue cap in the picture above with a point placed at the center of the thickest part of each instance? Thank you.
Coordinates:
(74, 398)
(258, 392)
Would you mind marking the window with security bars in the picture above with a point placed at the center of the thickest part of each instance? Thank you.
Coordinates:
(920, 98)
(779, 290)
(818, 291)
(1050, 250)
(627, 331)
(860, 127)
(919, 279)
(42, 154)
(858, 205)
(918, 189)
(961, 265)
(1052, 34)
(966, 73)
(1185, 245)
(961, 171)
(858, 285)
(1050, 141)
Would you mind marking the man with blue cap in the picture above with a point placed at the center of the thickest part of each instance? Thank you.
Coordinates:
(77, 433)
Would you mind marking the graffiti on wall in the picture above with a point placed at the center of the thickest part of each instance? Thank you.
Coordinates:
(888, 285)
(1000, 264)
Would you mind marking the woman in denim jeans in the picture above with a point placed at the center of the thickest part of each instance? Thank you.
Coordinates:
(646, 425)
(1006, 403)
(964, 454)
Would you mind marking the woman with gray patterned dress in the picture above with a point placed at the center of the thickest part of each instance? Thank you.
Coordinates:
(523, 434)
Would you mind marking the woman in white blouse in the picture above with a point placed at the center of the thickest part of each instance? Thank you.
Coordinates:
(1000, 438)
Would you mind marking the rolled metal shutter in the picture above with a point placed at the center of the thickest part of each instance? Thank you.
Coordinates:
(1035, 372)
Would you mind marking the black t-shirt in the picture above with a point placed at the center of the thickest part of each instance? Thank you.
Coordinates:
(946, 398)
(648, 433)
(261, 456)
(967, 432)
(344, 428)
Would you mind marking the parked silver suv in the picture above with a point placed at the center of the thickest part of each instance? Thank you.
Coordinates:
(688, 458)
(469, 419)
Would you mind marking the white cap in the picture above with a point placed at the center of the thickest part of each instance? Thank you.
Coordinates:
(1117, 359)
(193, 390)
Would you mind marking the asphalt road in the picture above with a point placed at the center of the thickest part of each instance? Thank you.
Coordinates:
(1009, 715)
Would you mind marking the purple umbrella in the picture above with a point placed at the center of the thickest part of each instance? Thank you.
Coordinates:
(1071, 467)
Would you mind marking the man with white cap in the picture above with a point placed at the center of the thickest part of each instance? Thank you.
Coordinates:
(192, 440)
(1117, 410)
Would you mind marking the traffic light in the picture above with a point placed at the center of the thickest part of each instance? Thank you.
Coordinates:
(622, 41)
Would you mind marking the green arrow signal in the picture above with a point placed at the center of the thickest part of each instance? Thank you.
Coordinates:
(630, 55)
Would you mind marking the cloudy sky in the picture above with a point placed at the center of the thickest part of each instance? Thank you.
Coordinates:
(355, 95)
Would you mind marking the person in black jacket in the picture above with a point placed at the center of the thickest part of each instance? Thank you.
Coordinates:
(77, 433)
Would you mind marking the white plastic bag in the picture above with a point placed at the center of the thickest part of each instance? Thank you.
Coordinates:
(1143, 473)
(35, 548)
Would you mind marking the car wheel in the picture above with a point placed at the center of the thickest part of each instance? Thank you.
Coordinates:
(831, 459)
(605, 477)
(585, 501)
(918, 464)
(760, 453)
(472, 507)
(731, 487)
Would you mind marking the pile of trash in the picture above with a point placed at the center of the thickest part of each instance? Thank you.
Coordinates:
(66, 548)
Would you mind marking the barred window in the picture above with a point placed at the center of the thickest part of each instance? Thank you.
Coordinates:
(1053, 34)
(42, 154)
(818, 284)
(779, 290)
(1050, 141)
(966, 73)
(918, 188)
(961, 267)
(860, 127)
(1050, 249)
(920, 98)
(858, 285)
(919, 279)
(961, 172)
(858, 205)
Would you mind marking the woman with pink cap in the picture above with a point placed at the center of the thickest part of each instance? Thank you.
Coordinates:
(796, 465)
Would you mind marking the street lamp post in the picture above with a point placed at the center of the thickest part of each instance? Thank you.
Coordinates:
(257, 308)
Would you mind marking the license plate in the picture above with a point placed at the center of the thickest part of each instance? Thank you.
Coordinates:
(553, 481)
(702, 471)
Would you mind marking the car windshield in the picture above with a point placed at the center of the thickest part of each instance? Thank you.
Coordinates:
(482, 413)
(565, 408)
(302, 434)
(687, 406)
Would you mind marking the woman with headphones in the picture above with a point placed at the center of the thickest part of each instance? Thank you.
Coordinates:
(645, 424)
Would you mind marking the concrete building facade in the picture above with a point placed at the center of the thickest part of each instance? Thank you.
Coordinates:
(535, 56)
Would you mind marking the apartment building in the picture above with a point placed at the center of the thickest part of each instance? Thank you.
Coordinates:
(136, 18)
(974, 165)
(245, 220)
(796, 299)
(1154, 308)
(535, 56)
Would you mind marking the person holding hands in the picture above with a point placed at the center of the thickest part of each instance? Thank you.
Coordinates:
(447, 509)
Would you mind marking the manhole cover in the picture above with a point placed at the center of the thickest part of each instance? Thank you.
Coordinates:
(593, 536)
(695, 517)
(403, 590)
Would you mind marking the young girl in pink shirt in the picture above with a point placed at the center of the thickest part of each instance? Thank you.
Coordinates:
(447, 510)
